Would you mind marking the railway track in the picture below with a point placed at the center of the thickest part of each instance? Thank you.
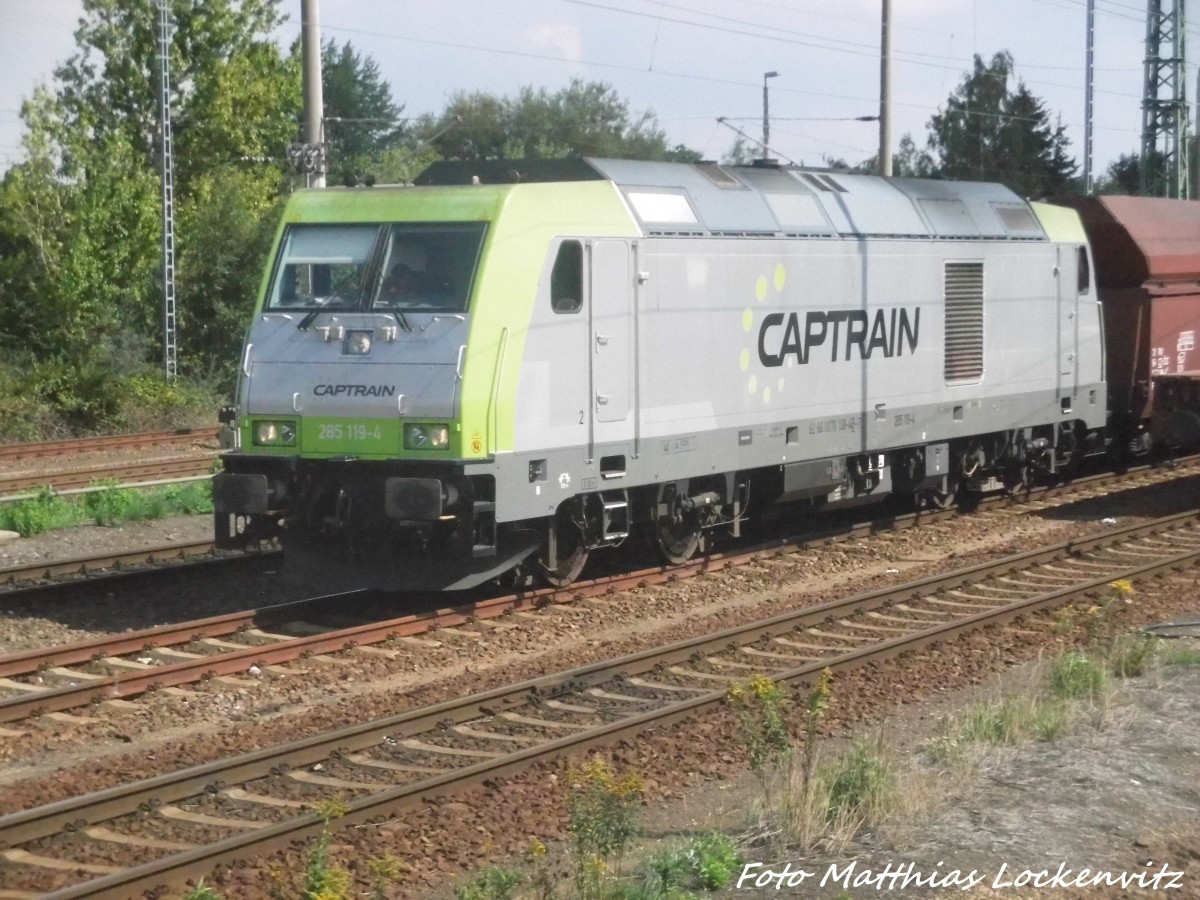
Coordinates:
(111, 564)
(128, 474)
(165, 830)
(102, 444)
(125, 666)
(106, 565)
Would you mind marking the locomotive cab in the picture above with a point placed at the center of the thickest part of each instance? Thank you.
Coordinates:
(350, 431)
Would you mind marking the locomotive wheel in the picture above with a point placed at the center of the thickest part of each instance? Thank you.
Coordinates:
(676, 542)
(570, 557)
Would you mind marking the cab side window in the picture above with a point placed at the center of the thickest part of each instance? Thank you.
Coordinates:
(1085, 272)
(566, 279)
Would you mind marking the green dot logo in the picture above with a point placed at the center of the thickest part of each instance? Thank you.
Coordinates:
(763, 294)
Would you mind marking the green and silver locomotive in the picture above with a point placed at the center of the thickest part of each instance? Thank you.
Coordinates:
(508, 365)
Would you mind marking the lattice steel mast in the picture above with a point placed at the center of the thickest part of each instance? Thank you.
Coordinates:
(1165, 126)
(168, 189)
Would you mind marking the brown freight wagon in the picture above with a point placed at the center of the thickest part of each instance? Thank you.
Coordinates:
(1147, 258)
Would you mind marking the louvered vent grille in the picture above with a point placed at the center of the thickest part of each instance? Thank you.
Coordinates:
(964, 321)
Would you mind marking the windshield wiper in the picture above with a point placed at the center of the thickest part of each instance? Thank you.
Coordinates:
(402, 320)
(320, 308)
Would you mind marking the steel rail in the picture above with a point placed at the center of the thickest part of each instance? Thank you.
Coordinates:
(27, 662)
(99, 444)
(232, 662)
(269, 838)
(101, 562)
(129, 474)
(43, 821)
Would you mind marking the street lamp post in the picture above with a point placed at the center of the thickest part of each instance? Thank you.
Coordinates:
(766, 115)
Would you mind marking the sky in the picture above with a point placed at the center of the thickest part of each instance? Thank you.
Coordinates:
(693, 61)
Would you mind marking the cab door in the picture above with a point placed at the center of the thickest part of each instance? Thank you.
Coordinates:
(1068, 320)
(612, 341)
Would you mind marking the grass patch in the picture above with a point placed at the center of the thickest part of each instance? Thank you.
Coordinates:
(866, 787)
(1180, 656)
(1132, 655)
(47, 511)
(707, 862)
(1014, 719)
(1077, 676)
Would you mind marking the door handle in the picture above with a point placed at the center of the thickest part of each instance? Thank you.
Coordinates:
(602, 399)
(602, 339)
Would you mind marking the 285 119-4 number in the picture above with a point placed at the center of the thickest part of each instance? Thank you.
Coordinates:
(350, 432)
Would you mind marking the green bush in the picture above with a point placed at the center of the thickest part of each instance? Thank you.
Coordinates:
(110, 506)
(1014, 718)
(860, 780)
(1076, 676)
(51, 400)
(714, 860)
(707, 862)
(48, 511)
(151, 403)
(43, 512)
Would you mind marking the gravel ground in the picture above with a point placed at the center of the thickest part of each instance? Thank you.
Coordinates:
(57, 759)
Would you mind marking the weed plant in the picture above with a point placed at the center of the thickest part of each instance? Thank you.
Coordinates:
(1076, 676)
(45, 511)
(492, 883)
(708, 862)
(859, 789)
(201, 892)
(758, 705)
(602, 815)
(322, 879)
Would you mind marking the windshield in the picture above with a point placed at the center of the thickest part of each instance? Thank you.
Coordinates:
(393, 268)
(322, 266)
(429, 266)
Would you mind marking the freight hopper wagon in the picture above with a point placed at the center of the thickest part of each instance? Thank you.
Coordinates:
(510, 365)
(1148, 270)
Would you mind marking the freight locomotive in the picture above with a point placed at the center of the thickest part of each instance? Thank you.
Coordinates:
(508, 365)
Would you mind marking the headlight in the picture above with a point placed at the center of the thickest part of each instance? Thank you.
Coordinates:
(426, 437)
(274, 434)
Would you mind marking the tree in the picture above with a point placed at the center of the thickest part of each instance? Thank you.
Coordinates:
(233, 94)
(988, 133)
(907, 161)
(361, 119)
(740, 153)
(1123, 176)
(582, 119)
(910, 162)
(80, 239)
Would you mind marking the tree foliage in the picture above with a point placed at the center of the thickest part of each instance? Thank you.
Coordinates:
(80, 238)
(362, 121)
(80, 267)
(586, 118)
(989, 132)
(1123, 176)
